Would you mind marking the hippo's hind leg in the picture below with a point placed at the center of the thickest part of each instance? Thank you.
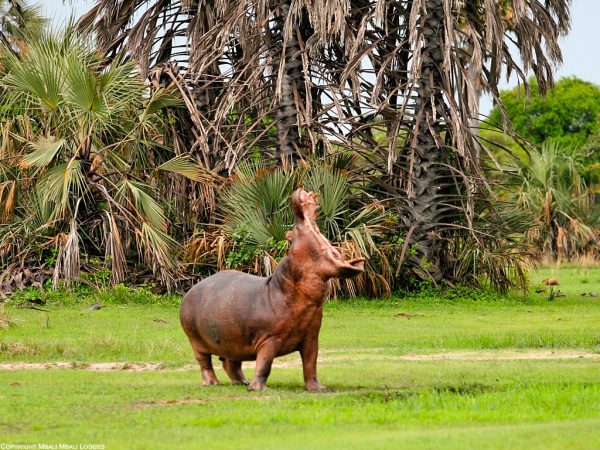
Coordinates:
(206, 367)
(234, 371)
(264, 359)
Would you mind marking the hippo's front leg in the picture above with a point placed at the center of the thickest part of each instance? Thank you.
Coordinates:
(264, 360)
(309, 351)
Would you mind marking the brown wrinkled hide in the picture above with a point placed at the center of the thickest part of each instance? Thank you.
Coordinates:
(242, 317)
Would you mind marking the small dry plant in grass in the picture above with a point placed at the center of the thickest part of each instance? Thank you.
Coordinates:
(5, 318)
(17, 348)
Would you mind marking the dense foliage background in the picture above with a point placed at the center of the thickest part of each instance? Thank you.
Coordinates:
(159, 141)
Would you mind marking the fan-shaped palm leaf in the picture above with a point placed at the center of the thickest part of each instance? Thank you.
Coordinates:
(44, 151)
(185, 166)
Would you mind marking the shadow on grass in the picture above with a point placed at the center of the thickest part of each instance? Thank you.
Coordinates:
(361, 394)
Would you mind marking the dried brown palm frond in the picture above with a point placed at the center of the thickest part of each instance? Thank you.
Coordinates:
(8, 197)
(375, 281)
(67, 261)
(115, 252)
(207, 248)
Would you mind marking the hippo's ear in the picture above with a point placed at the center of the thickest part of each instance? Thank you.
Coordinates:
(350, 268)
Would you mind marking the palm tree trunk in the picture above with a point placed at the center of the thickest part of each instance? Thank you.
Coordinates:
(291, 89)
(428, 179)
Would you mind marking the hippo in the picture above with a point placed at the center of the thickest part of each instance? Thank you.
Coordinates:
(242, 317)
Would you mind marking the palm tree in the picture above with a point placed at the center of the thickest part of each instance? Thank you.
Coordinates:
(18, 19)
(245, 74)
(392, 81)
(552, 190)
(82, 162)
(442, 170)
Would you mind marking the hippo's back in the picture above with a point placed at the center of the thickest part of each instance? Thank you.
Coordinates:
(224, 301)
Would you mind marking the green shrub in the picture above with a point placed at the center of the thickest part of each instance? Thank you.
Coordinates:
(258, 214)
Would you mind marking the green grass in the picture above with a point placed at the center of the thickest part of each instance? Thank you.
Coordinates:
(574, 280)
(390, 405)
(135, 333)
(377, 399)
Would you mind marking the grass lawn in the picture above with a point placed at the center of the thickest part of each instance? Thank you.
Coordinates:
(404, 373)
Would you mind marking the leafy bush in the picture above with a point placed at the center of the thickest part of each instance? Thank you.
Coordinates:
(568, 115)
(552, 190)
(455, 294)
(258, 214)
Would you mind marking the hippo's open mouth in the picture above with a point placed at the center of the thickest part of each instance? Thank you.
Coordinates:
(306, 208)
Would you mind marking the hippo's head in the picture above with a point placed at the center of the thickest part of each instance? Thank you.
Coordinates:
(309, 248)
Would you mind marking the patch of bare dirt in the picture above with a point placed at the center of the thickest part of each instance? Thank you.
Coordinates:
(201, 401)
(106, 367)
(465, 356)
(367, 356)
(169, 402)
(97, 367)
(502, 355)
(407, 315)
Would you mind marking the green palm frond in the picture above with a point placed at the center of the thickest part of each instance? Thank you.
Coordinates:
(362, 236)
(82, 90)
(146, 205)
(121, 86)
(62, 186)
(333, 201)
(160, 99)
(184, 165)
(257, 202)
(44, 151)
(29, 84)
(258, 228)
(159, 250)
